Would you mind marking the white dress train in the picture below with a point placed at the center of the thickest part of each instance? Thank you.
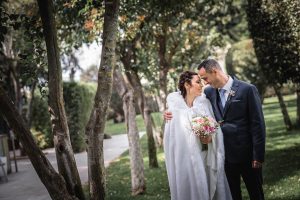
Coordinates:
(193, 174)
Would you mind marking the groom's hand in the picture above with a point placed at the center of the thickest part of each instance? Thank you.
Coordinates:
(168, 115)
(256, 164)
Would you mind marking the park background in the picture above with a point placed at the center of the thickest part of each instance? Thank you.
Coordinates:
(143, 46)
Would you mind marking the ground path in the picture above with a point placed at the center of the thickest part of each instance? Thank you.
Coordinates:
(26, 185)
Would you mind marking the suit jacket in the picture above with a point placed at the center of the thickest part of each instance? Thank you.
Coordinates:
(242, 122)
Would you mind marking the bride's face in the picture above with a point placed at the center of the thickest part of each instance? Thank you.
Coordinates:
(195, 88)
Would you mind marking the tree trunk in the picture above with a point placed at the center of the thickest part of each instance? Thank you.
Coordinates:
(133, 78)
(125, 91)
(163, 70)
(298, 105)
(151, 142)
(64, 152)
(53, 182)
(286, 117)
(146, 113)
(96, 124)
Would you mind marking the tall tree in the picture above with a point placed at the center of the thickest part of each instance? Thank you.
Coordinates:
(64, 152)
(128, 54)
(96, 124)
(278, 53)
(126, 92)
(146, 113)
(132, 23)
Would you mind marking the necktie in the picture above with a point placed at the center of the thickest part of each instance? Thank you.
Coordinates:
(222, 96)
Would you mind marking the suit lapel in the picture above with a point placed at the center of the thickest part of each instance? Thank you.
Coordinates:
(231, 96)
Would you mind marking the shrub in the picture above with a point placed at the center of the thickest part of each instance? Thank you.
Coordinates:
(78, 99)
(41, 120)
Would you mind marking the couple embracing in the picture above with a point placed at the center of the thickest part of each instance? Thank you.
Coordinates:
(235, 150)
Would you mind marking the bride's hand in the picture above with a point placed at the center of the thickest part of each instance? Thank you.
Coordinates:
(205, 140)
(167, 115)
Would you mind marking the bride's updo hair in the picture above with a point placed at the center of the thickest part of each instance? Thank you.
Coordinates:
(185, 77)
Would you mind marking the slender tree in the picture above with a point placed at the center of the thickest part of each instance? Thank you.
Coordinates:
(284, 111)
(96, 124)
(64, 152)
(146, 114)
(126, 92)
(128, 49)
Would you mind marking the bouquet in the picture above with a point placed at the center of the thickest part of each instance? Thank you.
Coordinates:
(204, 126)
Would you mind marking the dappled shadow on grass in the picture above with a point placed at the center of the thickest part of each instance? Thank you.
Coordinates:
(281, 163)
(281, 171)
(276, 128)
(274, 104)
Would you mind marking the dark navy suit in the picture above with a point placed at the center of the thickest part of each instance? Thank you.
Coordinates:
(244, 136)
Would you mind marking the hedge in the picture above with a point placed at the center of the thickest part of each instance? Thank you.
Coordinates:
(78, 98)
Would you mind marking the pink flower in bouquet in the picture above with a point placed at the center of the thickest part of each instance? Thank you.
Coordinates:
(204, 126)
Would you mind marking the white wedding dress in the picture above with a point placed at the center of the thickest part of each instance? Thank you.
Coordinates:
(193, 174)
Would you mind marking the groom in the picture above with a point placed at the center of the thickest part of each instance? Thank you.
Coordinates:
(237, 106)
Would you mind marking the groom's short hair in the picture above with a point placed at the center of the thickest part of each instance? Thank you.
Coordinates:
(209, 65)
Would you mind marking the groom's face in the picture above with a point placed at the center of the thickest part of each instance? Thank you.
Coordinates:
(209, 78)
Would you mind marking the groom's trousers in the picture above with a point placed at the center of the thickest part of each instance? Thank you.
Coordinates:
(252, 178)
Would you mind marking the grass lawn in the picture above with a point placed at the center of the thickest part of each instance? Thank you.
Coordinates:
(282, 166)
(281, 169)
(114, 129)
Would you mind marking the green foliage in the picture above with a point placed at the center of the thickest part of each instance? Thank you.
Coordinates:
(227, 17)
(78, 104)
(275, 27)
(41, 121)
(241, 61)
(3, 22)
(190, 29)
(78, 22)
(41, 139)
(24, 57)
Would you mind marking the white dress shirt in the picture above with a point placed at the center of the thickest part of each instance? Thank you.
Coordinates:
(227, 87)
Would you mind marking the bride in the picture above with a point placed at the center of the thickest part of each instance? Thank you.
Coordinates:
(193, 174)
